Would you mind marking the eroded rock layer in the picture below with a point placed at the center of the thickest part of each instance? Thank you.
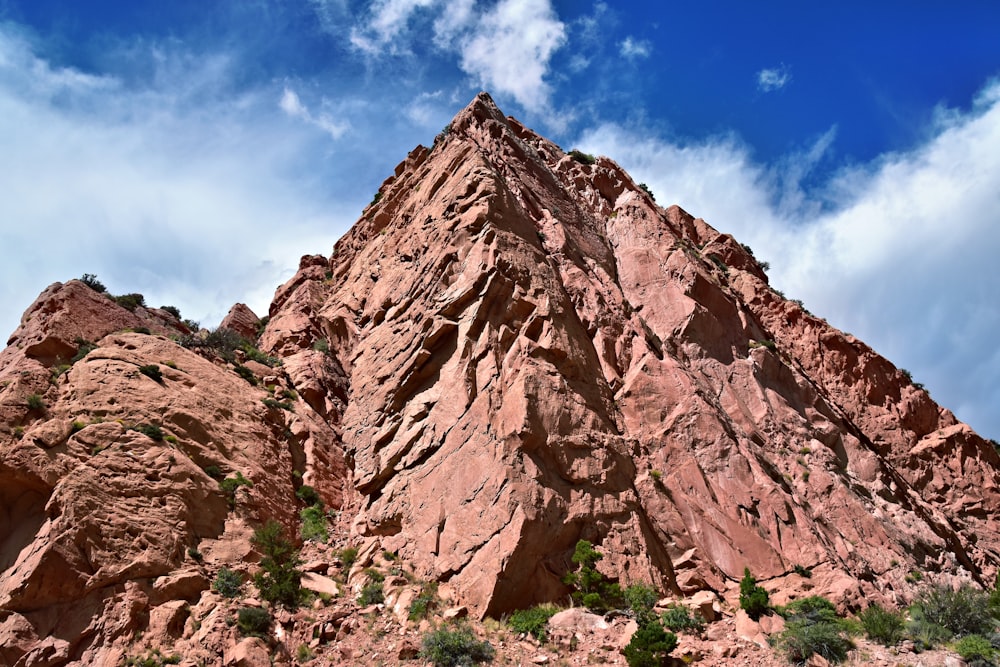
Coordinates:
(512, 350)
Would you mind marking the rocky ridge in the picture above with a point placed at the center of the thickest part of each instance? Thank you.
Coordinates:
(513, 349)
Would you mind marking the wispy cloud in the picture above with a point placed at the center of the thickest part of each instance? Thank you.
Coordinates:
(904, 239)
(507, 47)
(510, 48)
(292, 105)
(774, 78)
(634, 49)
(174, 187)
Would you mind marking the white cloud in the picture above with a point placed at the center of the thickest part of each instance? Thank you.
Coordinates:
(774, 78)
(510, 48)
(635, 48)
(900, 251)
(506, 48)
(292, 105)
(172, 188)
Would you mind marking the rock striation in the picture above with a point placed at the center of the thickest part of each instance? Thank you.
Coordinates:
(513, 349)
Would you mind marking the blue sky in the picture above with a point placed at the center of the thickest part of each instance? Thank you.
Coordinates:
(193, 151)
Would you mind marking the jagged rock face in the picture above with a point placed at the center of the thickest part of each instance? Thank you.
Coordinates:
(529, 352)
(509, 352)
(99, 517)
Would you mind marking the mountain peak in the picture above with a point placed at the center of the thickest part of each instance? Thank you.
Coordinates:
(514, 349)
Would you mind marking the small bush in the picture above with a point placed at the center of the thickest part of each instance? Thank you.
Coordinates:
(230, 484)
(253, 622)
(279, 580)
(641, 600)
(35, 402)
(347, 556)
(532, 621)
(131, 301)
(246, 374)
(645, 188)
(322, 345)
(173, 310)
(679, 618)
(303, 653)
(213, 471)
(754, 600)
(593, 590)
(961, 612)
(83, 348)
(151, 431)
(91, 281)
(801, 639)
(314, 524)
(582, 158)
(452, 648)
(650, 646)
(308, 495)
(152, 371)
(371, 593)
(975, 650)
(882, 625)
(77, 426)
(424, 603)
(278, 405)
(228, 583)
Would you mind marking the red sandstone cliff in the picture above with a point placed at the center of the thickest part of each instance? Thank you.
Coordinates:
(510, 351)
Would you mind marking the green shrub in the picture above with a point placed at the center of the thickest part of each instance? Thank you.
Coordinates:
(279, 580)
(153, 658)
(151, 431)
(35, 402)
(173, 310)
(230, 484)
(650, 646)
(278, 405)
(303, 653)
(422, 605)
(452, 648)
(645, 188)
(754, 600)
(801, 639)
(961, 612)
(256, 355)
(322, 345)
(371, 593)
(532, 621)
(91, 281)
(641, 600)
(314, 524)
(228, 583)
(882, 625)
(76, 426)
(975, 649)
(152, 371)
(582, 158)
(678, 618)
(813, 609)
(347, 556)
(213, 471)
(131, 301)
(83, 348)
(593, 589)
(245, 373)
(253, 622)
(194, 554)
(308, 495)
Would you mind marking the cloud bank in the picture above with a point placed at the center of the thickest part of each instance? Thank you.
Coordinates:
(180, 188)
(909, 240)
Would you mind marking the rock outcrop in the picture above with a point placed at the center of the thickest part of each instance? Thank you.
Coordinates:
(513, 349)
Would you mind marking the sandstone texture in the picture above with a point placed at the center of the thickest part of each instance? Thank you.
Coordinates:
(513, 349)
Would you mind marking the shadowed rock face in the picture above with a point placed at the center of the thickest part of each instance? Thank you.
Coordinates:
(510, 351)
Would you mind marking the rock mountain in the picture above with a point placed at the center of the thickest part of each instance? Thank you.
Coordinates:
(512, 349)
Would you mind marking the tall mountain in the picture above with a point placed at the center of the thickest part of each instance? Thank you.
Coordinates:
(513, 349)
